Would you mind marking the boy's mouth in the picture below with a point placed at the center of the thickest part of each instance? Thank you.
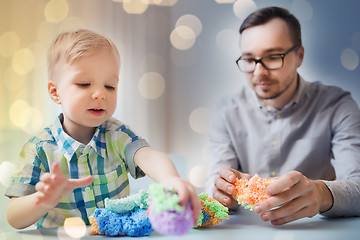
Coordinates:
(96, 111)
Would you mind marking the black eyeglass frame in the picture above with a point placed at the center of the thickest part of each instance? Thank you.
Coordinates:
(282, 55)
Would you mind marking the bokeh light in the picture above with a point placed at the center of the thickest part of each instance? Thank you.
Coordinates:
(242, 8)
(190, 21)
(151, 85)
(197, 176)
(35, 122)
(9, 43)
(155, 2)
(56, 10)
(163, 2)
(16, 113)
(182, 37)
(6, 171)
(199, 120)
(349, 59)
(302, 9)
(135, 6)
(23, 61)
(75, 227)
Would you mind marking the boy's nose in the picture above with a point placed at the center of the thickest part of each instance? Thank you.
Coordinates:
(98, 95)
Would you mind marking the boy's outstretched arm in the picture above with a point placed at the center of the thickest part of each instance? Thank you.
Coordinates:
(161, 169)
(26, 210)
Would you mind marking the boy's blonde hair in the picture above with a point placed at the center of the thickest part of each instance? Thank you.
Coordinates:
(70, 46)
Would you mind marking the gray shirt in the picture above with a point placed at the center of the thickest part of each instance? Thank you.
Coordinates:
(317, 134)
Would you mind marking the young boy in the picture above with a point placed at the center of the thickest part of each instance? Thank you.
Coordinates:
(69, 168)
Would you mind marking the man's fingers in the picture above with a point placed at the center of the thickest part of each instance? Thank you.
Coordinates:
(223, 185)
(226, 200)
(289, 194)
(230, 174)
(284, 182)
(304, 212)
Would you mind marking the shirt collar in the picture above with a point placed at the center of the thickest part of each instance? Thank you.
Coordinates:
(69, 146)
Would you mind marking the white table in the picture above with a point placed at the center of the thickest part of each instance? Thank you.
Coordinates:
(245, 225)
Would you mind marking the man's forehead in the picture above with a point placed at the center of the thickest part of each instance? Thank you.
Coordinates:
(271, 36)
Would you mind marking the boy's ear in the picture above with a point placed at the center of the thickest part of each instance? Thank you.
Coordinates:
(53, 92)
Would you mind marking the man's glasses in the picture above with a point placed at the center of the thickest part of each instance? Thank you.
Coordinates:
(270, 62)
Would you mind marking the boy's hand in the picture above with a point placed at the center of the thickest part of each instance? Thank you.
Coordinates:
(186, 192)
(54, 185)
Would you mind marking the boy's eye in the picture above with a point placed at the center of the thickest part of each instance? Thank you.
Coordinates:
(109, 87)
(83, 84)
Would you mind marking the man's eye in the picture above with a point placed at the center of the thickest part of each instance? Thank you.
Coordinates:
(248, 60)
(83, 84)
(274, 57)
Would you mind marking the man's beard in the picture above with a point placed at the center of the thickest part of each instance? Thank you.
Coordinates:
(275, 95)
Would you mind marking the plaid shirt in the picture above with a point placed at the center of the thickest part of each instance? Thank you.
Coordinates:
(108, 157)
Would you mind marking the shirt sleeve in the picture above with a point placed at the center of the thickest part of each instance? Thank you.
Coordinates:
(28, 173)
(346, 159)
(222, 153)
(130, 151)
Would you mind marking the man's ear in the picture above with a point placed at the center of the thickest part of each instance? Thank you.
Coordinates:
(301, 56)
(54, 95)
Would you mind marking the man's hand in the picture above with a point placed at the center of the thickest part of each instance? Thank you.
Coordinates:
(293, 197)
(54, 185)
(224, 186)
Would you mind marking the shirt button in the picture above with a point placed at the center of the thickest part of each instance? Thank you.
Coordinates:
(278, 116)
(275, 143)
(87, 189)
(273, 173)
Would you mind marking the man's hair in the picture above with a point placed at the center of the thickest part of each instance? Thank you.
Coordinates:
(264, 15)
(71, 46)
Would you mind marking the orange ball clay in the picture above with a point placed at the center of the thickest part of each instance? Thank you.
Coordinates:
(252, 191)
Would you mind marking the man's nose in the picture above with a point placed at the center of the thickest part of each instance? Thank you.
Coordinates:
(260, 69)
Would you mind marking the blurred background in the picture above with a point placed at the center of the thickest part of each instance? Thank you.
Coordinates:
(178, 58)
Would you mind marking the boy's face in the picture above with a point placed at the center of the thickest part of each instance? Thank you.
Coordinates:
(86, 89)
